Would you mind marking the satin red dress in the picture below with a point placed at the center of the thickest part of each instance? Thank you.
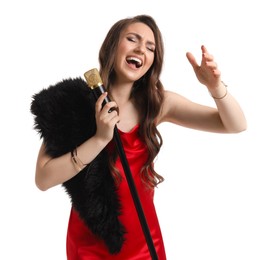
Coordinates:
(83, 245)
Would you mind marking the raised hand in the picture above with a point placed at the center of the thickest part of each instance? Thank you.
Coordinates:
(207, 72)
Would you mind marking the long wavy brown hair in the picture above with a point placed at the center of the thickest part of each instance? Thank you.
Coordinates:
(147, 92)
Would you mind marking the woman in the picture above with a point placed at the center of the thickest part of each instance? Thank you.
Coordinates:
(131, 60)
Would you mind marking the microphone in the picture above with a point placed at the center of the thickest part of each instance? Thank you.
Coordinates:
(94, 81)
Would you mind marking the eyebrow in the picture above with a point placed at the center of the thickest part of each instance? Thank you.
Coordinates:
(140, 38)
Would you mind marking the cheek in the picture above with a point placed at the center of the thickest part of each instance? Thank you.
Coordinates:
(120, 54)
(122, 47)
(150, 61)
(118, 58)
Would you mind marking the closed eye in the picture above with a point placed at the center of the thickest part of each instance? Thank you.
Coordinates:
(151, 48)
(131, 39)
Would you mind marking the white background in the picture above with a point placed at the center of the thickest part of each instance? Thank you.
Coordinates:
(209, 206)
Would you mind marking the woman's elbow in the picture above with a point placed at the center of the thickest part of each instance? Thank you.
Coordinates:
(238, 129)
(242, 129)
(41, 183)
(41, 186)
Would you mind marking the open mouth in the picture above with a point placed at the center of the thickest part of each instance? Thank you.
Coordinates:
(134, 61)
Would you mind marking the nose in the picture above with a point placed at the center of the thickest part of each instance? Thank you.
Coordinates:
(141, 48)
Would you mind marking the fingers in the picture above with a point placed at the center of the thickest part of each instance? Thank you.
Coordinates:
(108, 112)
(216, 73)
(209, 61)
(204, 49)
(211, 65)
(99, 101)
(106, 118)
(205, 56)
(207, 72)
(192, 60)
(205, 53)
(208, 58)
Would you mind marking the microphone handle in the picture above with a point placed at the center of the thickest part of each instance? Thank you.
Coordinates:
(97, 91)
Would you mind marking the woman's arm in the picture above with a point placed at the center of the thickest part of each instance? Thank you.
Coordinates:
(54, 171)
(228, 117)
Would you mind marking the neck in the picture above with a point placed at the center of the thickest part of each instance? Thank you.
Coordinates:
(128, 112)
(121, 92)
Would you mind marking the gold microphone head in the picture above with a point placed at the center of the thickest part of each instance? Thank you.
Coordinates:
(93, 78)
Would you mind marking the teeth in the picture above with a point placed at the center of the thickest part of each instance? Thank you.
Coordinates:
(138, 61)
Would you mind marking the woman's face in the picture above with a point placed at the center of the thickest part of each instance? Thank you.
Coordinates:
(135, 53)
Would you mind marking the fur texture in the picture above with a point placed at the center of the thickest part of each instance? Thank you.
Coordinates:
(64, 116)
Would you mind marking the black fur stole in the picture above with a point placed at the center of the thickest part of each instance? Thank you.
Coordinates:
(64, 116)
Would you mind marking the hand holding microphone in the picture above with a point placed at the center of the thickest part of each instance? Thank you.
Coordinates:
(106, 110)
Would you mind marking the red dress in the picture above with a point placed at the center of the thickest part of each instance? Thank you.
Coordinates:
(83, 245)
